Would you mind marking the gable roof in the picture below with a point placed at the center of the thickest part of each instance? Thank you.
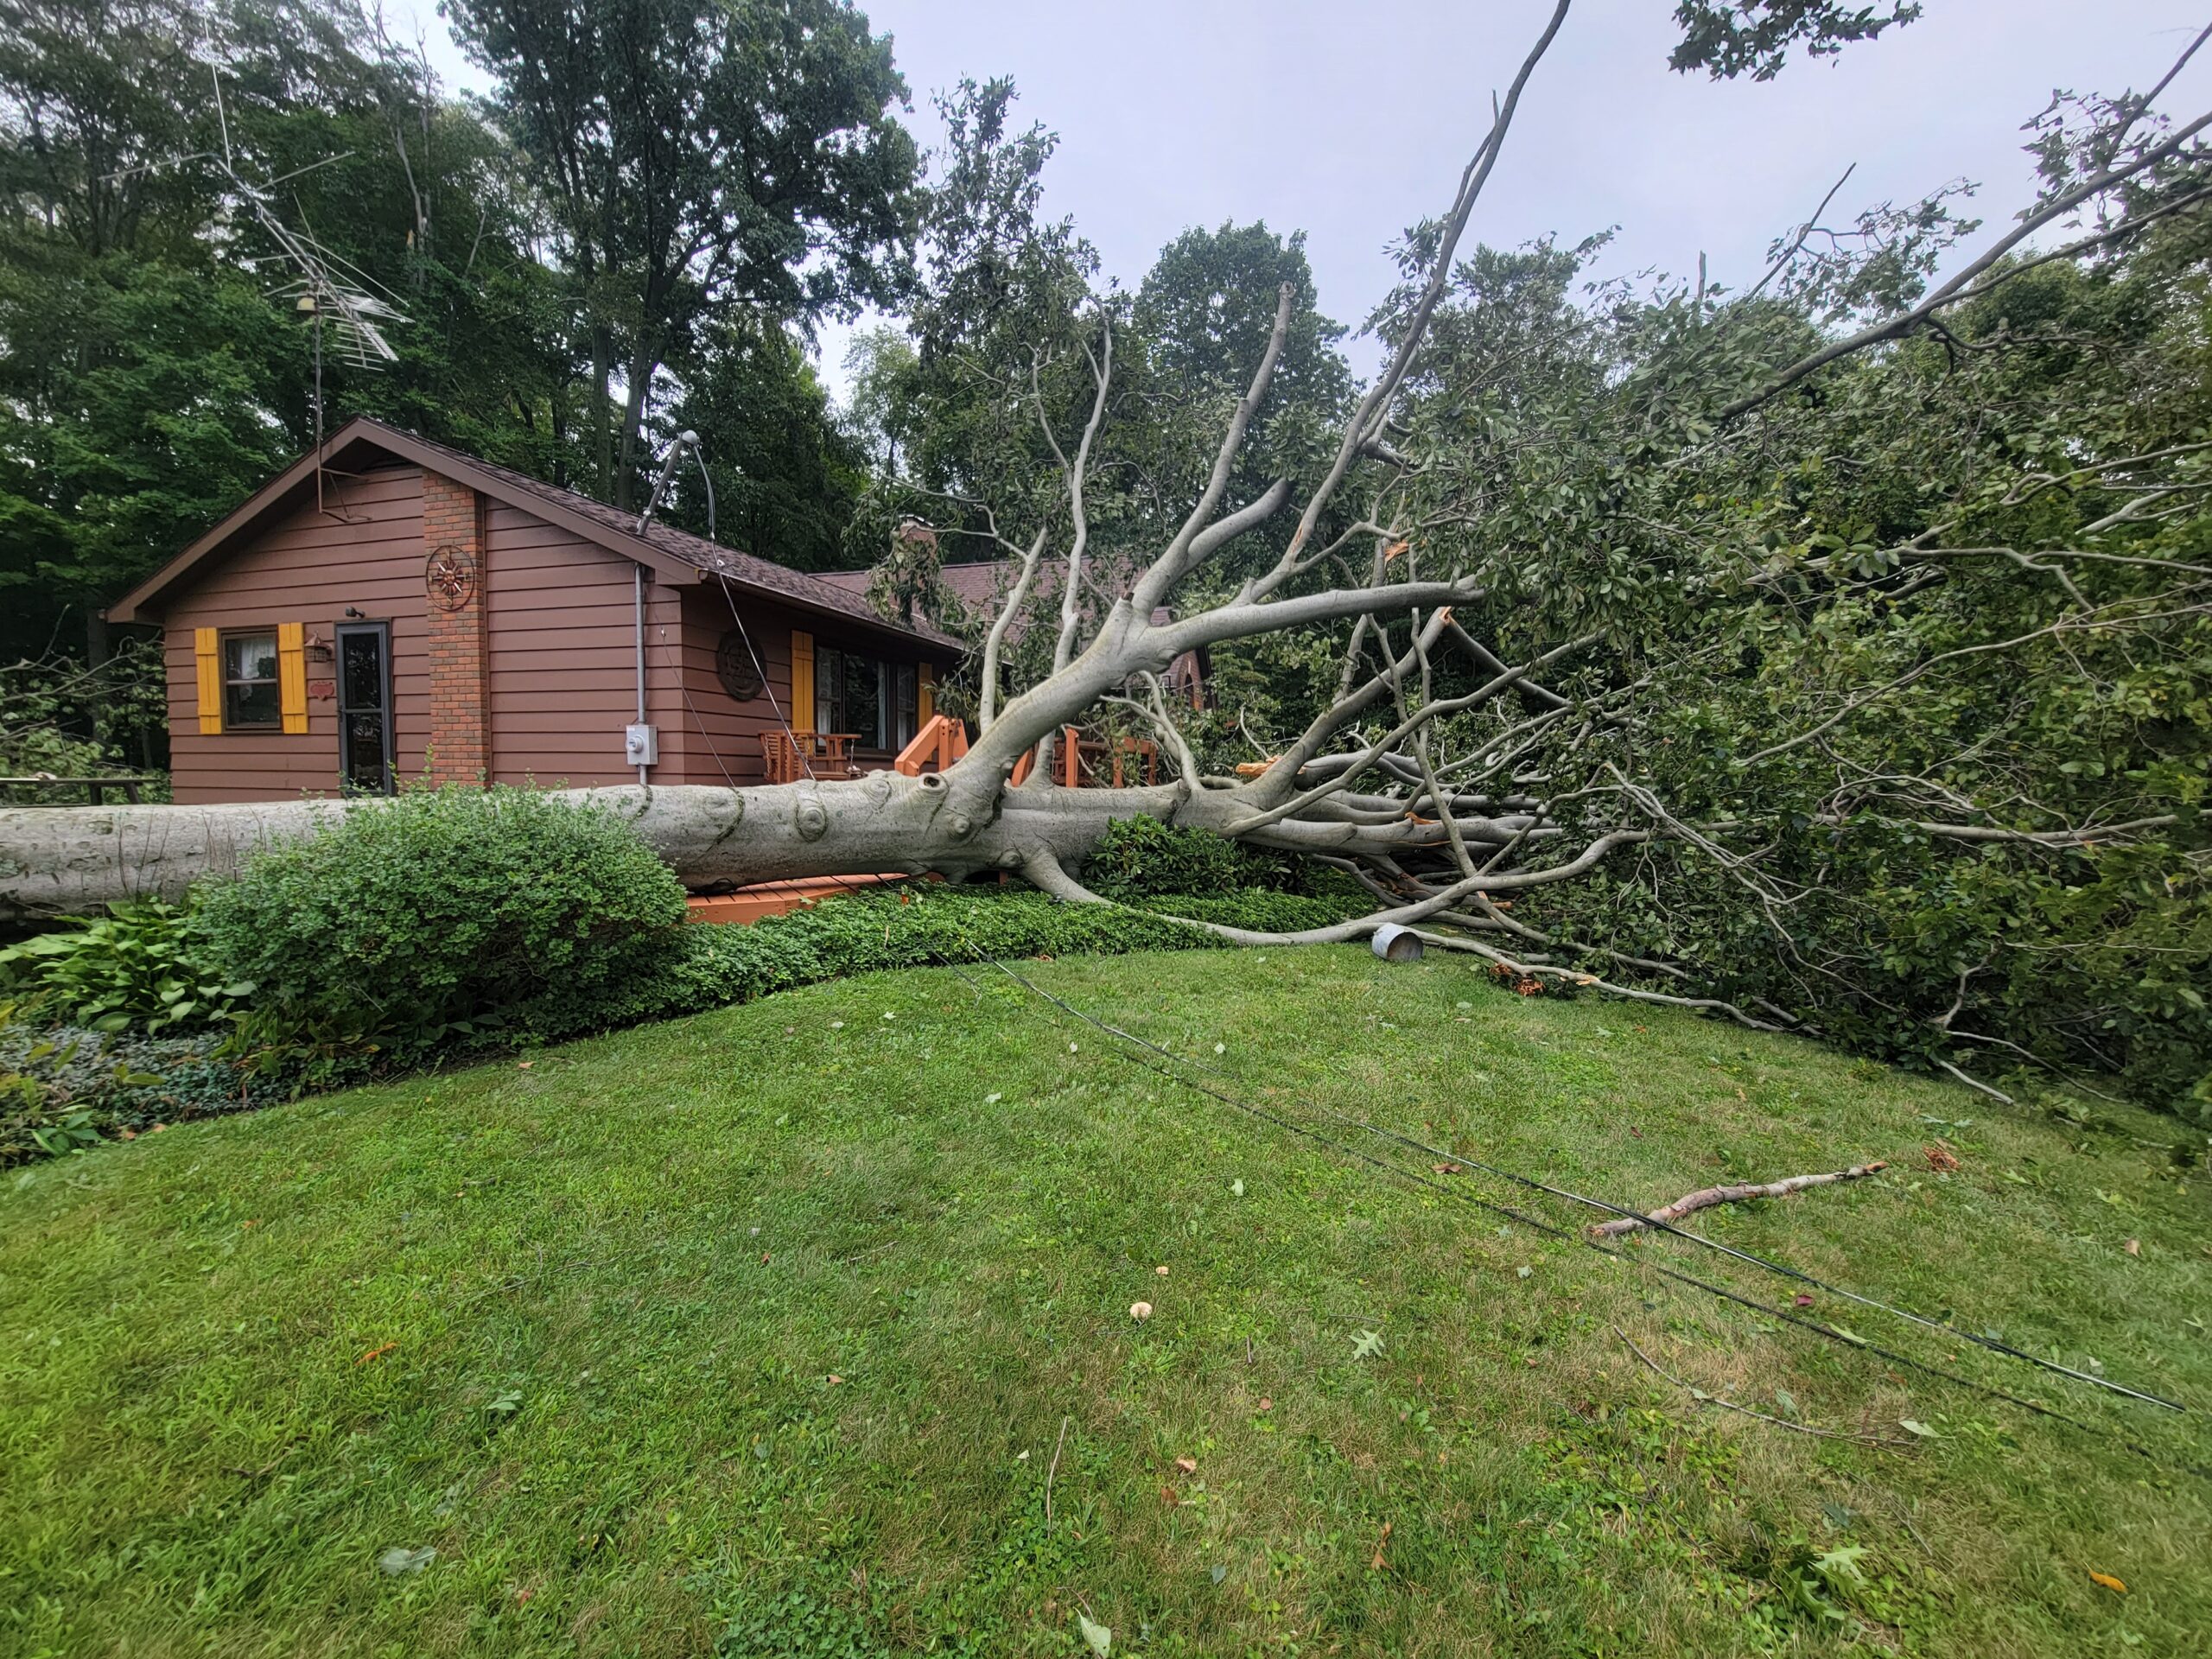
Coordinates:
(673, 556)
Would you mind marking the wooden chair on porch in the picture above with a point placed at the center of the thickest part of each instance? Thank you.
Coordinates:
(795, 755)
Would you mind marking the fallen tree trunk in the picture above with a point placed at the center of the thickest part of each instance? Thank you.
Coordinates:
(1706, 1198)
(75, 861)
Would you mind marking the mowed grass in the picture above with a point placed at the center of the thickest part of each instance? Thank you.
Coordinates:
(759, 1330)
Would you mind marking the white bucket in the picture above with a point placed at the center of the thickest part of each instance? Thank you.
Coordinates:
(1395, 943)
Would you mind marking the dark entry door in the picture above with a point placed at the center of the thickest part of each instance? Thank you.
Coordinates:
(364, 708)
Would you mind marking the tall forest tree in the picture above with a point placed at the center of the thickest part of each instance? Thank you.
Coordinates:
(150, 379)
(702, 157)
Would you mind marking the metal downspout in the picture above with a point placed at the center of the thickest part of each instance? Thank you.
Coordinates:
(640, 569)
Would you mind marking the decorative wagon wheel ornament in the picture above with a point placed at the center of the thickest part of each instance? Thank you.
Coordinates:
(450, 578)
(734, 667)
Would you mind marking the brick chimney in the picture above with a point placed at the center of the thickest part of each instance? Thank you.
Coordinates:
(452, 546)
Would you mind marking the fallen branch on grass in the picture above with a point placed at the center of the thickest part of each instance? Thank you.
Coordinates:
(1706, 1198)
(1706, 1399)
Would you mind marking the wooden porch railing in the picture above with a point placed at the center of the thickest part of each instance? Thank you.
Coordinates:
(1081, 762)
(941, 741)
(1085, 762)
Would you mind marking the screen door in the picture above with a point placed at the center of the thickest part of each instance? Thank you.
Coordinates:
(364, 708)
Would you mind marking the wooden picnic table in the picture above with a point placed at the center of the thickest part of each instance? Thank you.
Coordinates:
(95, 787)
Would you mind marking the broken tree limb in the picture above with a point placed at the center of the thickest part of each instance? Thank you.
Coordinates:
(1706, 1198)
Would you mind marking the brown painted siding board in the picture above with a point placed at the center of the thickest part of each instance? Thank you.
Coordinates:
(723, 736)
(557, 682)
(304, 568)
(560, 633)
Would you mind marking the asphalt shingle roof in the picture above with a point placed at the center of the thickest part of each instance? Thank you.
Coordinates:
(834, 593)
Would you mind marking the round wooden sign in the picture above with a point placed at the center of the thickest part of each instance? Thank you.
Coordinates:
(450, 578)
(734, 667)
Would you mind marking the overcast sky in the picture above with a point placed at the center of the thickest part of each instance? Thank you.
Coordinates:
(1349, 119)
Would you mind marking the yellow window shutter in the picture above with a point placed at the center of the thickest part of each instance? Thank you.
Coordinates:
(925, 694)
(292, 676)
(208, 655)
(802, 681)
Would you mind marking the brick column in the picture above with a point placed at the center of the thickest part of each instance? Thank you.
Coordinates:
(461, 732)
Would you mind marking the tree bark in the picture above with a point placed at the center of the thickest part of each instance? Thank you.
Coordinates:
(75, 861)
(602, 429)
(1705, 1196)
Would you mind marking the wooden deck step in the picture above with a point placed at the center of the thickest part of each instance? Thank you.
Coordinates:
(777, 898)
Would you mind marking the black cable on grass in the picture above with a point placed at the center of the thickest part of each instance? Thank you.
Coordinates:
(1415, 1178)
(1782, 1269)
(1994, 1344)
(1768, 1264)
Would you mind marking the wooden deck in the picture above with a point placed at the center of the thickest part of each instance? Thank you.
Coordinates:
(777, 898)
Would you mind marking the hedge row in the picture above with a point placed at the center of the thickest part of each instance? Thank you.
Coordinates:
(68, 1086)
(708, 966)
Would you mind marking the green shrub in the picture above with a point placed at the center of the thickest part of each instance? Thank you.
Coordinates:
(708, 966)
(408, 925)
(1145, 856)
(134, 969)
(65, 1088)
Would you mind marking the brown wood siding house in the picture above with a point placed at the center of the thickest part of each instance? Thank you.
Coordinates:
(389, 610)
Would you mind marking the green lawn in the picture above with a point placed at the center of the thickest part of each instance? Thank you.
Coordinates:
(759, 1328)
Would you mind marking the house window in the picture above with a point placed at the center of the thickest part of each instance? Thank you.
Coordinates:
(904, 673)
(250, 698)
(865, 695)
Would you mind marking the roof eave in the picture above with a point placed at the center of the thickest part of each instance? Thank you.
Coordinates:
(945, 646)
(132, 607)
(145, 603)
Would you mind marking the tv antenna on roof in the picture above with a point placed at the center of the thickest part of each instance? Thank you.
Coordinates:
(323, 287)
(332, 294)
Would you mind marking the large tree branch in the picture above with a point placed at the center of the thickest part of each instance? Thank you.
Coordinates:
(986, 709)
(1963, 284)
(1043, 869)
(1185, 553)
(1222, 531)
(1237, 621)
(1366, 423)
